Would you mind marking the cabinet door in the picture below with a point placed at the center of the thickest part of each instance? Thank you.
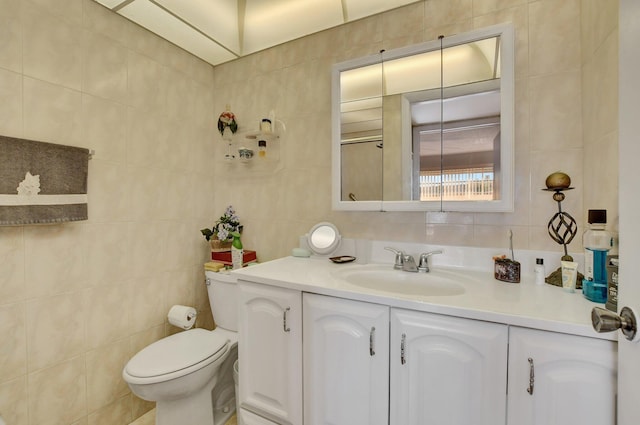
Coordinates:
(569, 380)
(346, 361)
(244, 417)
(270, 352)
(447, 370)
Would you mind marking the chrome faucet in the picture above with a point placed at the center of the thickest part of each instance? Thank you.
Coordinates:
(403, 261)
(423, 265)
(399, 261)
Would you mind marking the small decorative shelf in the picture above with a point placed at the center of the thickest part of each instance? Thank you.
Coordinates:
(259, 135)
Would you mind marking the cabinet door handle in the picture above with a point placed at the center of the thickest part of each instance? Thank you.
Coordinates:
(531, 377)
(403, 340)
(284, 320)
(372, 341)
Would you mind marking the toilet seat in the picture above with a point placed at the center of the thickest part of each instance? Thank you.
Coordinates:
(176, 355)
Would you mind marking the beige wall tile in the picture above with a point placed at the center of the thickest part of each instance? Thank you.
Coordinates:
(599, 21)
(12, 280)
(52, 113)
(556, 111)
(10, 103)
(450, 234)
(140, 407)
(139, 340)
(10, 36)
(55, 330)
(13, 401)
(55, 259)
(449, 218)
(600, 90)
(181, 286)
(104, 70)
(147, 83)
(13, 335)
(116, 413)
(58, 394)
(104, 128)
(365, 31)
(601, 177)
(103, 21)
(107, 314)
(554, 36)
(107, 254)
(146, 250)
(446, 12)
(147, 305)
(69, 11)
(482, 7)
(109, 188)
(404, 23)
(104, 368)
(147, 142)
(51, 49)
(498, 236)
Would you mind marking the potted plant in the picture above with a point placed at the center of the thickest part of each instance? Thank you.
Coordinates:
(219, 236)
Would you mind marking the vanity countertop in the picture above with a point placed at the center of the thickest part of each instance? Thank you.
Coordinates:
(525, 304)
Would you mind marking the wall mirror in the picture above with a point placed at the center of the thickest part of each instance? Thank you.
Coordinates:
(427, 127)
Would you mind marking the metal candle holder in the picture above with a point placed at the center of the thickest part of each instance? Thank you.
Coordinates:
(562, 227)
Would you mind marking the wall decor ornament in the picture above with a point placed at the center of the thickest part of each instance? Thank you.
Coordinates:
(227, 121)
(227, 126)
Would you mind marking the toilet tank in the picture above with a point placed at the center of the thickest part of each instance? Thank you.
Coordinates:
(223, 298)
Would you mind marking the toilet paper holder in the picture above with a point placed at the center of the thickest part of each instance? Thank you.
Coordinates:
(182, 316)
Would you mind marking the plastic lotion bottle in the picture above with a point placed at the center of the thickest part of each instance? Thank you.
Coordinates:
(236, 251)
(597, 242)
(539, 271)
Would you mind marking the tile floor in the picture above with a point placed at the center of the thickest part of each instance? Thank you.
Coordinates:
(149, 418)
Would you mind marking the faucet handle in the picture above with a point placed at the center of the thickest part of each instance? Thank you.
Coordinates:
(399, 261)
(423, 265)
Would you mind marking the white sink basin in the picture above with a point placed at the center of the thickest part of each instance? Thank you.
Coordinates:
(385, 279)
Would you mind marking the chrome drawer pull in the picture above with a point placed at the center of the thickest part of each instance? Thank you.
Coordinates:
(284, 320)
(372, 341)
(403, 359)
(531, 377)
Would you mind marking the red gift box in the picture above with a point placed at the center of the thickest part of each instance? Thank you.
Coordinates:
(224, 257)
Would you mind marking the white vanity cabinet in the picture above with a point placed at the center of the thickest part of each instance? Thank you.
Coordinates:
(353, 357)
(346, 361)
(447, 370)
(559, 379)
(270, 352)
(443, 369)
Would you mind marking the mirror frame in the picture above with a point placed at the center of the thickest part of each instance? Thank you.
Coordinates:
(507, 114)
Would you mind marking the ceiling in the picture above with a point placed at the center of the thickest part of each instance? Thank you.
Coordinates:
(219, 31)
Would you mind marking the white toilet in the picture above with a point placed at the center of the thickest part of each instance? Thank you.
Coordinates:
(190, 374)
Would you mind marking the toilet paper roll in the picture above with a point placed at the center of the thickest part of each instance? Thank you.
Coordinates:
(182, 316)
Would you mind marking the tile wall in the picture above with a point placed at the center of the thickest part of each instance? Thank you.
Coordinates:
(77, 300)
(566, 119)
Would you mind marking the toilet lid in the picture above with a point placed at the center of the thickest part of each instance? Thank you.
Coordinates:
(177, 352)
